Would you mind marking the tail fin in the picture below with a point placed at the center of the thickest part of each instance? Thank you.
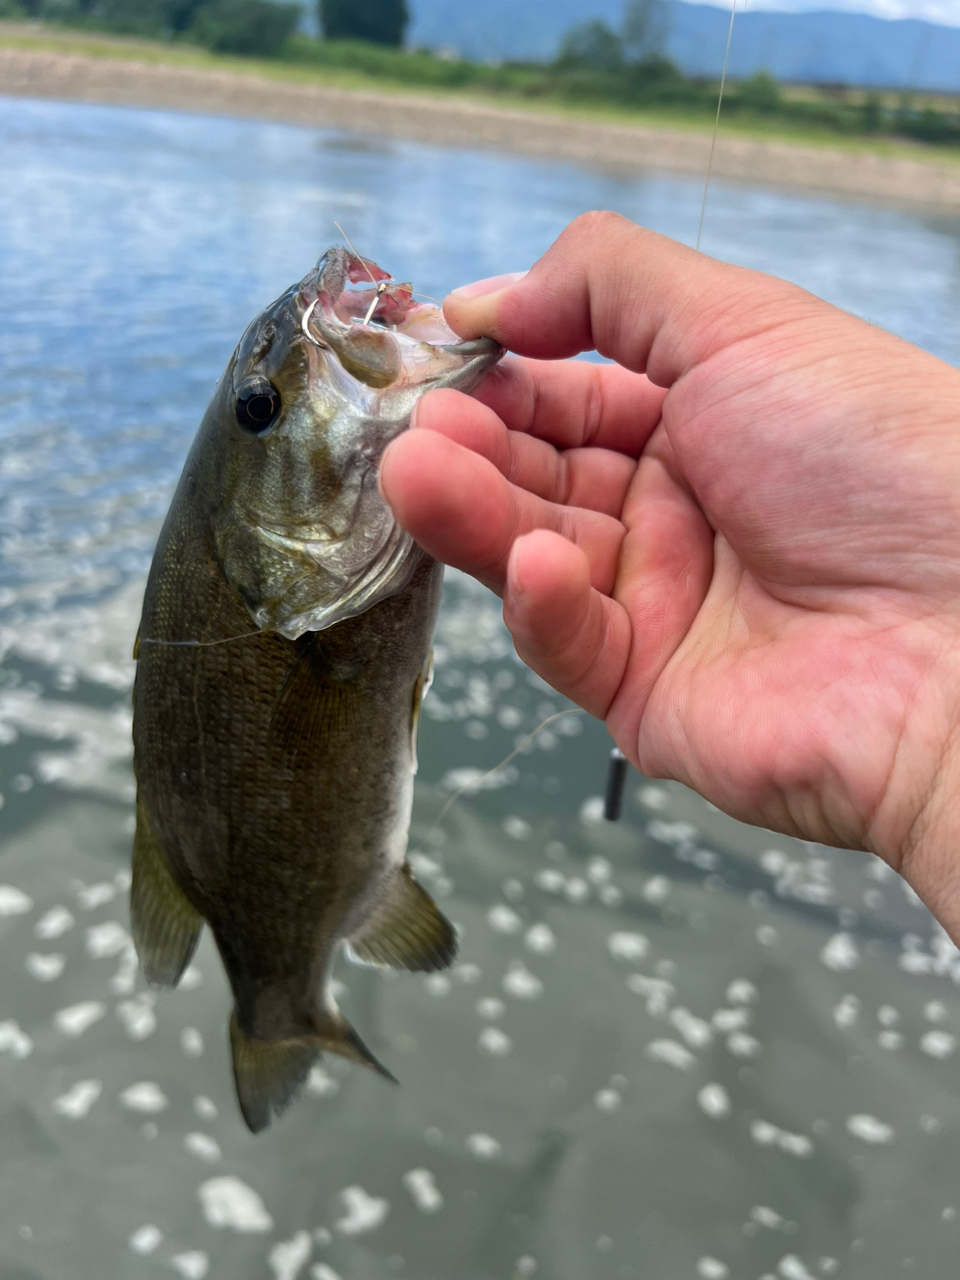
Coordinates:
(268, 1074)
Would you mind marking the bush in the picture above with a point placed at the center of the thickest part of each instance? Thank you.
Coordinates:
(251, 28)
(871, 113)
(376, 21)
(760, 93)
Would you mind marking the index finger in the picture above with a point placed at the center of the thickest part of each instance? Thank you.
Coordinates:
(573, 404)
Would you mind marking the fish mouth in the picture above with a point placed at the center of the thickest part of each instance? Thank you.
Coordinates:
(381, 334)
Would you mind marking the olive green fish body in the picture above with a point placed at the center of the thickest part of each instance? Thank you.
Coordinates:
(282, 656)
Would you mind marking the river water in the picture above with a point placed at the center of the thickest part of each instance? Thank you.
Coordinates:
(672, 1048)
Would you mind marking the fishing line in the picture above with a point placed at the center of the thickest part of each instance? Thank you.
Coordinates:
(524, 742)
(716, 123)
(381, 286)
(200, 644)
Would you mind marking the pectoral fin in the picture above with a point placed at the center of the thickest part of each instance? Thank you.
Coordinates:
(165, 927)
(315, 701)
(408, 931)
(423, 682)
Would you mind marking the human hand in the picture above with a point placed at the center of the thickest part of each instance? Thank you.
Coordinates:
(739, 545)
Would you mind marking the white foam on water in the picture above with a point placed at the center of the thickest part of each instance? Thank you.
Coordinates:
(91, 896)
(493, 1040)
(53, 923)
(192, 1265)
(743, 1046)
(599, 870)
(890, 1040)
(607, 1100)
(203, 1147)
(228, 1202)
(934, 1011)
(483, 1146)
(75, 1104)
(520, 983)
(628, 946)
(540, 940)
(78, 1018)
(591, 811)
(44, 968)
(697, 1032)
(205, 1107)
(363, 1212)
(14, 1041)
(13, 901)
(146, 1097)
(423, 1190)
(767, 1217)
(503, 919)
(791, 1268)
(437, 984)
(672, 1053)
(767, 935)
(840, 953)
(288, 1258)
(107, 939)
(550, 880)
(766, 1134)
(714, 1101)
(576, 890)
(320, 1084)
(727, 1020)
(869, 1129)
(466, 973)
(191, 1042)
(146, 1239)
(938, 1044)
(139, 1020)
(656, 991)
(887, 1015)
(712, 1269)
(517, 828)
(491, 1008)
(656, 890)
(847, 1012)
(322, 1272)
(741, 991)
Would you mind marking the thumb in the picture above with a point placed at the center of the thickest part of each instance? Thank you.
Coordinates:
(641, 299)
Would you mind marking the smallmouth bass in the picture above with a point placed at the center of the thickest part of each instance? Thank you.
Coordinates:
(283, 652)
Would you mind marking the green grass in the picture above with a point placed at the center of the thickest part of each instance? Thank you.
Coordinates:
(365, 67)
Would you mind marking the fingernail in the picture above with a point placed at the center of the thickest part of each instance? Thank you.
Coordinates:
(480, 288)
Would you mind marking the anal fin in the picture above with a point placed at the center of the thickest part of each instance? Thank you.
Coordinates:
(408, 931)
(165, 926)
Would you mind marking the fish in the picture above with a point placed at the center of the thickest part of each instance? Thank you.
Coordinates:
(282, 658)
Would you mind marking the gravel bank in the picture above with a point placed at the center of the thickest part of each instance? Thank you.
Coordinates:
(454, 122)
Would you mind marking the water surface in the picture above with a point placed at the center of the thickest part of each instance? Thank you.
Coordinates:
(674, 1047)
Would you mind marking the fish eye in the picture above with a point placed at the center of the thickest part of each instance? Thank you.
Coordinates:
(257, 406)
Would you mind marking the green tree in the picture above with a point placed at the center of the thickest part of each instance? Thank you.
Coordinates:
(646, 28)
(871, 113)
(760, 93)
(592, 45)
(252, 28)
(377, 21)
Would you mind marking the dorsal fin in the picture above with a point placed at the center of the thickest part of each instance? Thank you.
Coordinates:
(407, 931)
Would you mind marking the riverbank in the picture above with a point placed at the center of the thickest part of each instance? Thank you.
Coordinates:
(111, 71)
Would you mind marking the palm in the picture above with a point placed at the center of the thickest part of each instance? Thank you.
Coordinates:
(757, 577)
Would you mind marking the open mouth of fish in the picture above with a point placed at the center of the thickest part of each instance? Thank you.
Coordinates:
(381, 334)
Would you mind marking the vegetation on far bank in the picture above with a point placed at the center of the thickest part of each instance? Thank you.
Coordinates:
(597, 71)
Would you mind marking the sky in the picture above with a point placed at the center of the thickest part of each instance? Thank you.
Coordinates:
(946, 12)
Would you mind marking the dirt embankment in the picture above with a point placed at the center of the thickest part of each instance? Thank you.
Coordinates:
(452, 121)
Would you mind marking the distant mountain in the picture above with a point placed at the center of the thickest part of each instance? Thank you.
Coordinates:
(827, 47)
